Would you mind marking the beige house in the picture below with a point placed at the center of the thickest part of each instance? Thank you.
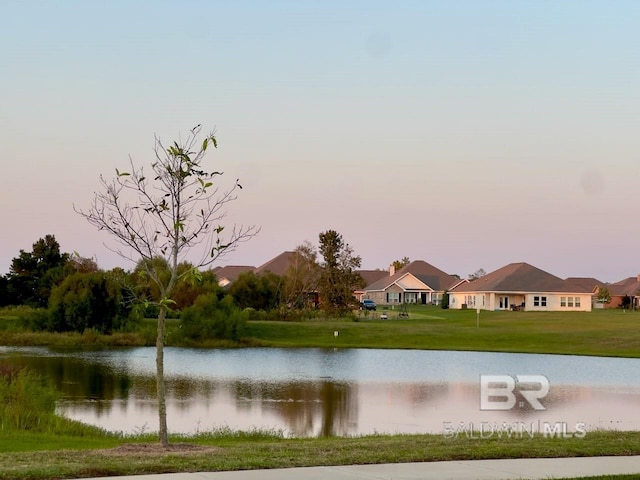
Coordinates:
(417, 282)
(369, 277)
(520, 286)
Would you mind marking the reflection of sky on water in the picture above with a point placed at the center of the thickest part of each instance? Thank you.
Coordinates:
(358, 364)
(329, 392)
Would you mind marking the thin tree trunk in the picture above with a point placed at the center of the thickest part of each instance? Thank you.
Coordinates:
(161, 389)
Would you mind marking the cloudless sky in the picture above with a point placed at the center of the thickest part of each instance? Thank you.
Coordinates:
(469, 134)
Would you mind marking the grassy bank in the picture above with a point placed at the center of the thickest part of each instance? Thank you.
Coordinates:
(600, 333)
(59, 448)
(238, 451)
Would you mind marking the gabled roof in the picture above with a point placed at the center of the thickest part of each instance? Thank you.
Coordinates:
(585, 282)
(520, 277)
(433, 277)
(629, 286)
(231, 272)
(371, 276)
(277, 265)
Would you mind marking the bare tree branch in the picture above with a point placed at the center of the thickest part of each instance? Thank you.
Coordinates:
(174, 212)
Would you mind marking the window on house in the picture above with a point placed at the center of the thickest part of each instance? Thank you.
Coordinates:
(539, 301)
(393, 297)
(563, 301)
(570, 304)
(577, 303)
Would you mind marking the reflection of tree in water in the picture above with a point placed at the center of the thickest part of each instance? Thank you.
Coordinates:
(76, 378)
(323, 408)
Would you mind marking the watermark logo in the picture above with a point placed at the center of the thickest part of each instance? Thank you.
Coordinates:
(498, 392)
(486, 430)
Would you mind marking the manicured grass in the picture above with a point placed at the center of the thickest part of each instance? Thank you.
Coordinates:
(600, 333)
(252, 451)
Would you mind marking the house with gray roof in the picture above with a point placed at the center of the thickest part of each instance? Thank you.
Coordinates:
(417, 282)
(278, 264)
(369, 277)
(520, 286)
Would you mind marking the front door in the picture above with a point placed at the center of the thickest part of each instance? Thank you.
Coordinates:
(504, 303)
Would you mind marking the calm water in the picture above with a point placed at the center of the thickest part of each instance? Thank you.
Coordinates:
(311, 392)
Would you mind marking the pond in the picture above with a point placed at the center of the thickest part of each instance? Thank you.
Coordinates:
(322, 392)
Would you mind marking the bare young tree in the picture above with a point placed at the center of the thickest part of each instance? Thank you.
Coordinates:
(173, 212)
(301, 278)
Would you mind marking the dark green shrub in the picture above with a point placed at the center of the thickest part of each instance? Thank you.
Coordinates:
(260, 292)
(444, 303)
(35, 319)
(85, 300)
(210, 317)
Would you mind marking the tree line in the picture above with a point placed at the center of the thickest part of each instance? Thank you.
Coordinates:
(74, 294)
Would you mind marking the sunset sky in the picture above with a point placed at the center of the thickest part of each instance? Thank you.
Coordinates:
(469, 134)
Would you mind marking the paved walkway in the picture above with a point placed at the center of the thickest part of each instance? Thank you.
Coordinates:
(526, 468)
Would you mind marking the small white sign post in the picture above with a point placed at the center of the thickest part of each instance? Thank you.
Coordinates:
(477, 317)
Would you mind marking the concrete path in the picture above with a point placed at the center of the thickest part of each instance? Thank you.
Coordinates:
(526, 468)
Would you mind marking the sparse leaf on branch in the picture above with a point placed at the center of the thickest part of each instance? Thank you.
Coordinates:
(166, 220)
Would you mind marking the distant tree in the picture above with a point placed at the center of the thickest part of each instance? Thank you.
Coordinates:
(300, 280)
(76, 263)
(603, 295)
(625, 302)
(5, 298)
(259, 292)
(477, 274)
(85, 300)
(213, 318)
(338, 280)
(174, 211)
(33, 274)
(186, 293)
(398, 264)
(444, 302)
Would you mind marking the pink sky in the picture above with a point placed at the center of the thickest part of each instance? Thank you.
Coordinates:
(469, 135)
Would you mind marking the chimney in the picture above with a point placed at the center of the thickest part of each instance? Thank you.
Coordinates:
(392, 270)
(638, 278)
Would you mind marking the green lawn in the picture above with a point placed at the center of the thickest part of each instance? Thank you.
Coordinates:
(234, 451)
(601, 332)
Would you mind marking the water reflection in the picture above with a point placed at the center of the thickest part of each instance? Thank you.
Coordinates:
(326, 393)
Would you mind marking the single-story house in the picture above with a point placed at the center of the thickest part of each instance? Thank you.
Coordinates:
(278, 265)
(520, 286)
(417, 282)
(369, 277)
(625, 293)
(229, 273)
